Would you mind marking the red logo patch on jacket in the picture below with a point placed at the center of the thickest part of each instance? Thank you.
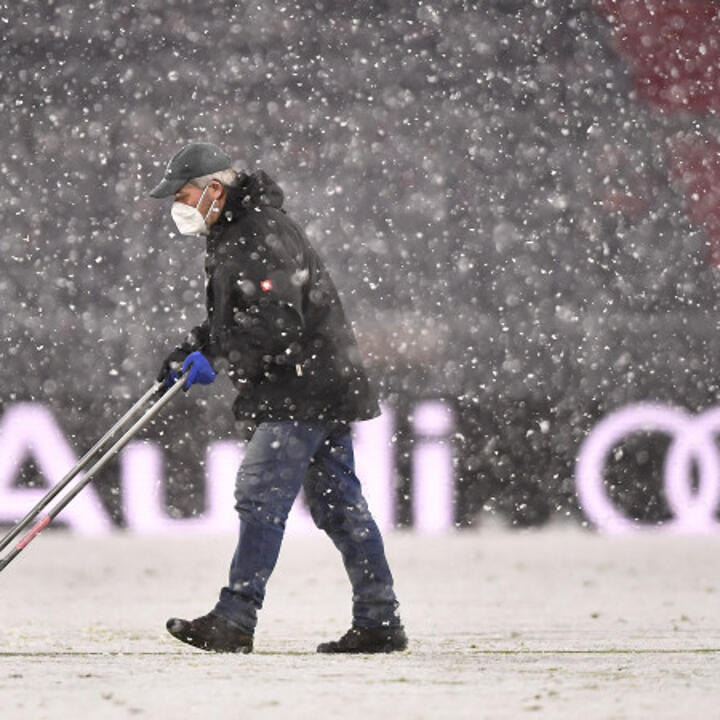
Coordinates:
(266, 285)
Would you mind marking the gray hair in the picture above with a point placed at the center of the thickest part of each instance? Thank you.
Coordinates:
(226, 177)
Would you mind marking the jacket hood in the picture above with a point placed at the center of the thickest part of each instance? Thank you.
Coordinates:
(255, 189)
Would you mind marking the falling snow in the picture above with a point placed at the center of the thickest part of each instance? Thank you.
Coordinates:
(512, 197)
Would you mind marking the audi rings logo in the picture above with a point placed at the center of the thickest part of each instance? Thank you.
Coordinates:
(692, 443)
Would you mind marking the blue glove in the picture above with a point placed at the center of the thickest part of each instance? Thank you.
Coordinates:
(201, 371)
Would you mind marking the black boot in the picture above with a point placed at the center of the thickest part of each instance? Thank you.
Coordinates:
(211, 632)
(368, 640)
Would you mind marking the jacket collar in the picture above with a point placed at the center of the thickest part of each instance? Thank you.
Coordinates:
(250, 191)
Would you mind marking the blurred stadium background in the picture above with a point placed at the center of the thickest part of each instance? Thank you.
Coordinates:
(518, 201)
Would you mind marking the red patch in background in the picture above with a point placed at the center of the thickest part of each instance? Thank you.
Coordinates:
(266, 285)
(673, 49)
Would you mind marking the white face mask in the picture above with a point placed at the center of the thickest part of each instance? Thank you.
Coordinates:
(189, 220)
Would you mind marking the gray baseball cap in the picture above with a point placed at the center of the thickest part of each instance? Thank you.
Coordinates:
(194, 160)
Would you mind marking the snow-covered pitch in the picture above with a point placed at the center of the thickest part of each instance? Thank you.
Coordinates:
(550, 623)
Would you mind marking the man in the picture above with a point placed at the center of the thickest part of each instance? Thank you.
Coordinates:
(276, 326)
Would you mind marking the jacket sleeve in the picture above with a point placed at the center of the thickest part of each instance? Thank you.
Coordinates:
(256, 321)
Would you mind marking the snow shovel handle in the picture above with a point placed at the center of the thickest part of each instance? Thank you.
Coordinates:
(100, 463)
(81, 464)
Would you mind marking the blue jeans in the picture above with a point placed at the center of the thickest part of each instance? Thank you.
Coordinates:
(281, 458)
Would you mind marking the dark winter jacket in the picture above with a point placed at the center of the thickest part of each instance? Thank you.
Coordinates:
(275, 322)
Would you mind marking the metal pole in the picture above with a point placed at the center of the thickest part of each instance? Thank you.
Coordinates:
(80, 465)
(44, 521)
